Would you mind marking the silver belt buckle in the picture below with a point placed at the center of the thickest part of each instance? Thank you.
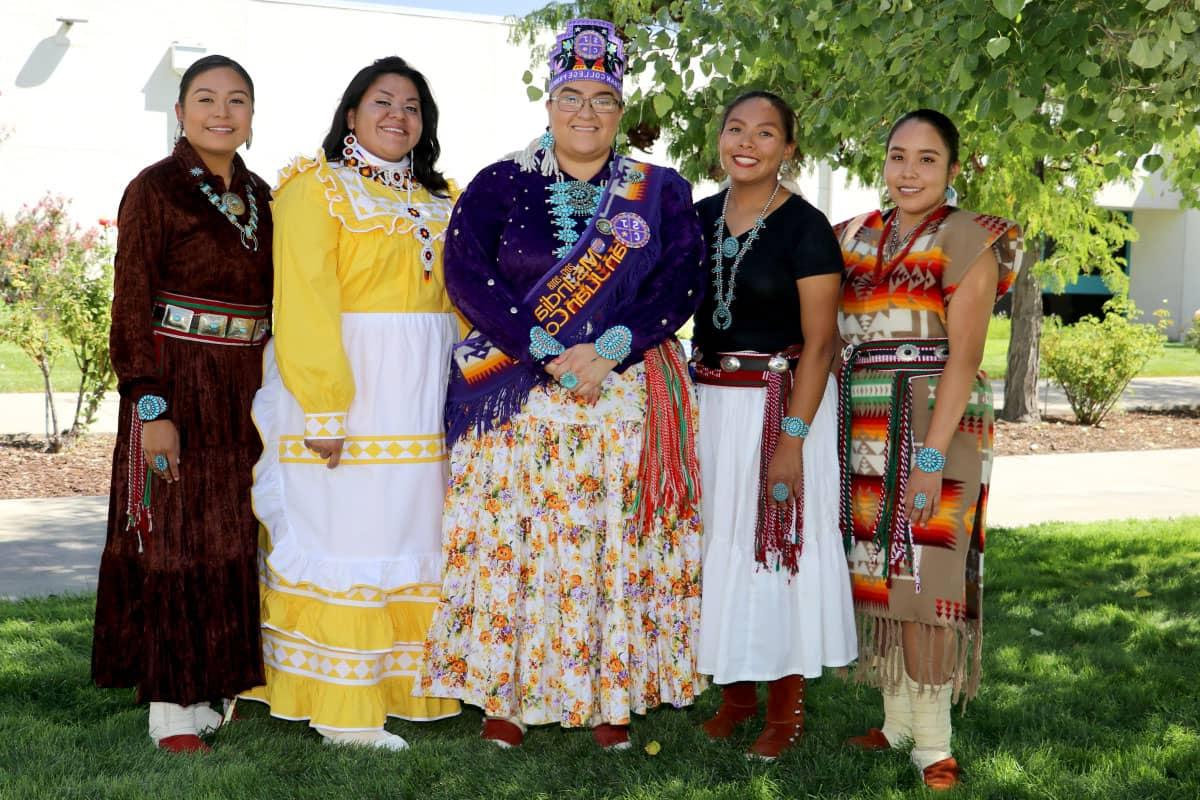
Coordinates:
(942, 351)
(730, 363)
(847, 352)
(777, 363)
(907, 352)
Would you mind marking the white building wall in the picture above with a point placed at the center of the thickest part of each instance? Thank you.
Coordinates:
(84, 117)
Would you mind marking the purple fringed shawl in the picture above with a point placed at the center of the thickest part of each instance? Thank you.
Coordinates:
(501, 244)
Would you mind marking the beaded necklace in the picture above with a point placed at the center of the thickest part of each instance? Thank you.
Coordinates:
(399, 176)
(728, 247)
(231, 206)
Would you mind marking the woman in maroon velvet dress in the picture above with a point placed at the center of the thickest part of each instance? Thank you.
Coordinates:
(177, 604)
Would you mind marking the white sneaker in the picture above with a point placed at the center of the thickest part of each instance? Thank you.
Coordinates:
(380, 739)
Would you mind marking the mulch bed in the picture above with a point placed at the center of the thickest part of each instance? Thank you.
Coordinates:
(27, 470)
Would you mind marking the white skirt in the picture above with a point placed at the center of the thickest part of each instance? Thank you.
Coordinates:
(376, 520)
(759, 623)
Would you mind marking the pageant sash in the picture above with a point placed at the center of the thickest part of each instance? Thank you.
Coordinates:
(565, 299)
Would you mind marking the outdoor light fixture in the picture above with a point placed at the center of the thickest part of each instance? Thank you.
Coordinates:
(65, 25)
(184, 55)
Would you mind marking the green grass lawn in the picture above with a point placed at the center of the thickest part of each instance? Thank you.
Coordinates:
(18, 373)
(1176, 360)
(1091, 651)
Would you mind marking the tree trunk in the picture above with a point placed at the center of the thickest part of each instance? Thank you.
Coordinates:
(1020, 385)
(53, 437)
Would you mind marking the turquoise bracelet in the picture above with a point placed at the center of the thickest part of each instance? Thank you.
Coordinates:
(930, 460)
(614, 343)
(794, 426)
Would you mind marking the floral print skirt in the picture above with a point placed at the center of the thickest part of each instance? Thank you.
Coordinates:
(555, 608)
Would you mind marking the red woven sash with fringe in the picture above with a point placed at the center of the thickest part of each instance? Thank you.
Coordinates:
(668, 473)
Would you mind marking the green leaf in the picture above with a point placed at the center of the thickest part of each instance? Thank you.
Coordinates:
(1152, 162)
(1021, 105)
(1116, 113)
(1155, 5)
(527, 78)
(662, 104)
(997, 46)
(534, 92)
(1145, 54)
(1089, 69)
(1187, 22)
(1009, 8)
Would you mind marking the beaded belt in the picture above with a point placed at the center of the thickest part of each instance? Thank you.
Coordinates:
(905, 359)
(745, 368)
(214, 321)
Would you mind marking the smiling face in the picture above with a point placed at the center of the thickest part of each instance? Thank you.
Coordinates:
(387, 121)
(216, 112)
(918, 169)
(583, 135)
(753, 143)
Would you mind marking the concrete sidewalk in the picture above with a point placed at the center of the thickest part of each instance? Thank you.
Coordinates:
(26, 413)
(52, 546)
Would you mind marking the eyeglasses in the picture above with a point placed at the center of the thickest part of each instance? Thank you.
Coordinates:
(601, 104)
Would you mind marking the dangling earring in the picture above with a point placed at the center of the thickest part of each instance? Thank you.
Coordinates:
(547, 141)
(951, 195)
(178, 131)
(351, 143)
(249, 138)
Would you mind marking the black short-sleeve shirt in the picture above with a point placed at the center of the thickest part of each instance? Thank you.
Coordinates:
(795, 242)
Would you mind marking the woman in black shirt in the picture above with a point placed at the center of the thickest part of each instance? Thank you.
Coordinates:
(776, 598)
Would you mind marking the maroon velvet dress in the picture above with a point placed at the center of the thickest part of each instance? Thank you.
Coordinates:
(179, 619)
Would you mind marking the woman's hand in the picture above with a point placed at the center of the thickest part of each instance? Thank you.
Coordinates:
(787, 467)
(160, 438)
(931, 484)
(588, 368)
(329, 449)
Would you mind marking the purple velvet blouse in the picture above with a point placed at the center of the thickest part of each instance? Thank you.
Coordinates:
(501, 241)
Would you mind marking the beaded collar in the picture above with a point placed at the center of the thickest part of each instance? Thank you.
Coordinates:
(393, 174)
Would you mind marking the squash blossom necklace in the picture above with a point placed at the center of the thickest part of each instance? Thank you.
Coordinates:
(728, 247)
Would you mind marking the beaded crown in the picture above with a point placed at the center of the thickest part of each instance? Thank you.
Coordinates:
(589, 50)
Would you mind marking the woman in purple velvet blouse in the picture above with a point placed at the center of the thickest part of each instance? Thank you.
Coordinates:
(571, 533)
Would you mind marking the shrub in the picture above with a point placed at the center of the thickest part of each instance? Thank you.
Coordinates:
(1094, 360)
(56, 284)
(1192, 338)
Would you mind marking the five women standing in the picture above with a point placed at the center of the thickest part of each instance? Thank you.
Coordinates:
(568, 551)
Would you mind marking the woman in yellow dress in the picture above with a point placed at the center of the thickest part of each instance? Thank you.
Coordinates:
(353, 474)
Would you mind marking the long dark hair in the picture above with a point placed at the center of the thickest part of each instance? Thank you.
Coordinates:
(946, 129)
(203, 65)
(786, 114)
(427, 150)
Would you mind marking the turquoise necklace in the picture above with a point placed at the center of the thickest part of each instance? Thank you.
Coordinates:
(231, 206)
(728, 247)
(568, 200)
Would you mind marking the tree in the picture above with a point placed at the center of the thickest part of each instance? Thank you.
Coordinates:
(1053, 99)
(56, 288)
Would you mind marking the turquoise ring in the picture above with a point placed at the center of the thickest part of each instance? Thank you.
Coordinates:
(780, 492)
(568, 380)
(160, 463)
(920, 501)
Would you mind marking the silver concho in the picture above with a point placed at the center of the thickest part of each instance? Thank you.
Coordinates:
(907, 352)
(731, 363)
(942, 351)
(233, 203)
(777, 363)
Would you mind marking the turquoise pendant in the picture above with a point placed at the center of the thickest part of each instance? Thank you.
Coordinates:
(730, 247)
(721, 317)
